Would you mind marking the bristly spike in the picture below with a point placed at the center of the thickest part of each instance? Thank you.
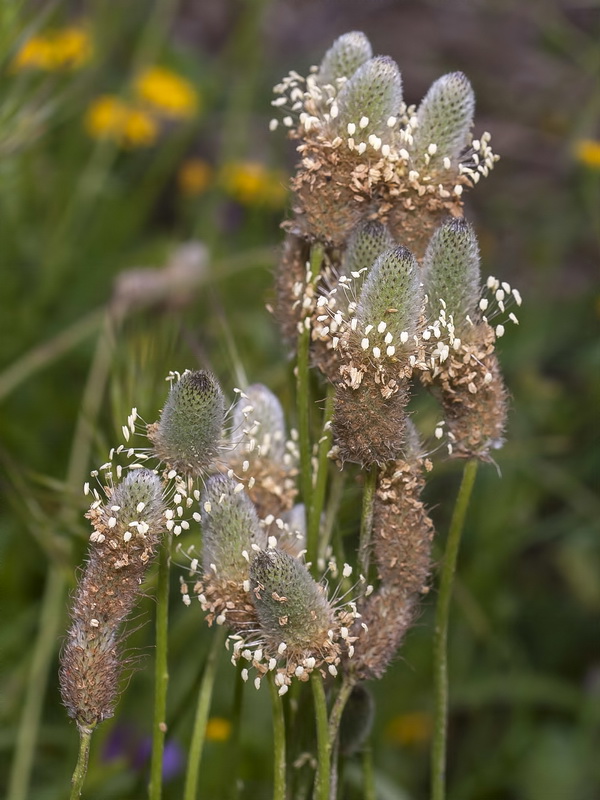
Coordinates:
(445, 118)
(229, 529)
(188, 433)
(392, 293)
(452, 273)
(290, 605)
(365, 245)
(370, 98)
(344, 57)
(118, 559)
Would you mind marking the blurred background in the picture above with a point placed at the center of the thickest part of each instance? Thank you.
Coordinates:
(140, 200)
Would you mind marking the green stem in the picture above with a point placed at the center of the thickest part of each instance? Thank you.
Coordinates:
(161, 669)
(440, 641)
(304, 406)
(318, 499)
(368, 774)
(366, 520)
(236, 729)
(85, 737)
(323, 776)
(278, 742)
(201, 718)
(335, 718)
(334, 501)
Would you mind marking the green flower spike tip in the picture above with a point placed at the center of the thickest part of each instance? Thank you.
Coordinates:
(188, 434)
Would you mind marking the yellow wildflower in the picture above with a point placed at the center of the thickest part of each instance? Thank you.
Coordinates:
(194, 176)
(71, 47)
(108, 117)
(587, 152)
(409, 729)
(139, 129)
(218, 729)
(65, 48)
(166, 92)
(252, 183)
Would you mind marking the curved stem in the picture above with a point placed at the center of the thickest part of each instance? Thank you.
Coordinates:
(278, 742)
(323, 741)
(201, 718)
(318, 499)
(339, 705)
(161, 669)
(366, 519)
(440, 641)
(85, 737)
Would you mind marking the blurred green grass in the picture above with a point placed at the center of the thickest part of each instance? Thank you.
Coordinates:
(76, 212)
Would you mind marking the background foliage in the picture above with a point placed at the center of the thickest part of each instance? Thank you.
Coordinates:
(81, 203)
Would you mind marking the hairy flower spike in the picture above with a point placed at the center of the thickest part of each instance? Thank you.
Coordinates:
(402, 529)
(367, 427)
(291, 607)
(392, 293)
(365, 245)
(290, 277)
(229, 528)
(445, 119)
(371, 96)
(344, 57)
(261, 455)
(463, 371)
(387, 615)
(188, 434)
(127, 531)
(260, 414)
(452, 277)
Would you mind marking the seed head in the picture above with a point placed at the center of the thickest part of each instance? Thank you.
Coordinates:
(344, 57)
(392, 293)
(229, 527)
(188, 434)
(138, 498)
(371, 96)
(127, 530)
(451, 267)
(445, 118)
(290, 605)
